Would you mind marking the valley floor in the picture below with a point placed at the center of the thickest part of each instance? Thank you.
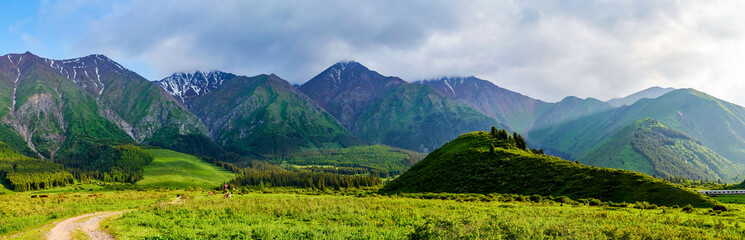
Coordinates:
(289, 215)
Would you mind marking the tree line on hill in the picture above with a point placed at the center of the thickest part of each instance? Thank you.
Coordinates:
(110, 163)
(304, 179)
(21, 173)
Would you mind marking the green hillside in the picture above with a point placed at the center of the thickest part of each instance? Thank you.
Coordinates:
(418, 118)
(177, 170)
(717, 124)
(648, 146)
(268, 116)
(468, 165)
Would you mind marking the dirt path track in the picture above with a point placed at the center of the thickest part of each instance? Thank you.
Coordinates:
(88, 223)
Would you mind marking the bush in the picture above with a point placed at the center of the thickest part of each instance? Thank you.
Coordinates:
(595, 202)
(688, 208)
(719, 208)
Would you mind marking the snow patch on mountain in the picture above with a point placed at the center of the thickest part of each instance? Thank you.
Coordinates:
(183, 85)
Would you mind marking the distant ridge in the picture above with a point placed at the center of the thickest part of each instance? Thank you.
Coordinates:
(653, 92)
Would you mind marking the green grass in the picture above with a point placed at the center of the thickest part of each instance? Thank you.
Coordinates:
(361, 215)
(20, 212)
(738, 199)
(293, 216)
(177, 170)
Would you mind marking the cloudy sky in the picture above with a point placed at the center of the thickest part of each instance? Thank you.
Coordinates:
(543, 49)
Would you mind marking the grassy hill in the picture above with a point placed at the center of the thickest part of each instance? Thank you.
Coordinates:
(648, 146)
(177, 170)
(468, 165)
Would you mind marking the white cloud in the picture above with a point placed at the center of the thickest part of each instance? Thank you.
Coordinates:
(544, 49)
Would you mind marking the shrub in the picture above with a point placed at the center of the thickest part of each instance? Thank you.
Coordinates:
(719, 208)
(688, 208)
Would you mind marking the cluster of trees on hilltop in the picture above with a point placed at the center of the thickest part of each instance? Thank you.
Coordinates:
(511, 140)
(21, 173)
(306, 179)
(111, 163)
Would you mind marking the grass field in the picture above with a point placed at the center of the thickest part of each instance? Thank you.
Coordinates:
(739, 199)
(294, 216)
(20, 212)
(172, 169)
(305, 215)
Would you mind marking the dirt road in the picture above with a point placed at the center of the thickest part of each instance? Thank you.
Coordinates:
(88, 223)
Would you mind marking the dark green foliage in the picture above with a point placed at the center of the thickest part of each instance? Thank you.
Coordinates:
(377, 158)
(305, 179)
(21, 173)
(519, 141)
(719, 207)
(106, 161)
(465, 165)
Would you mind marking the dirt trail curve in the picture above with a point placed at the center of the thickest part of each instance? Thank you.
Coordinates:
(88, 223)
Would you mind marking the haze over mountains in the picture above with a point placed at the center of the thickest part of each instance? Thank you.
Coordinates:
(54, 108)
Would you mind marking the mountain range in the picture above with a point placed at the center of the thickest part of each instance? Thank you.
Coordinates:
(573, 128)
(60, 109)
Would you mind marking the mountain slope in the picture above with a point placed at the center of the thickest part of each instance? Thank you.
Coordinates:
(685, 110)
(48, 111)
(140, 107)
(266, 115)
(649, 147)
(653, 92)
(467, 164)
(389, 110)
(347, 88)
(514, 110)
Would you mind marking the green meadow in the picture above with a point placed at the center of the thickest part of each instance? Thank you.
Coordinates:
(299, 216)
(172, 169)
